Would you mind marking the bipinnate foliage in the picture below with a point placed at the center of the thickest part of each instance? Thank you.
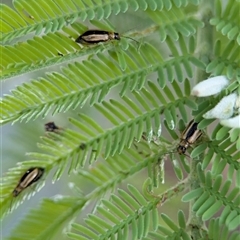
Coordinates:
(184, 42)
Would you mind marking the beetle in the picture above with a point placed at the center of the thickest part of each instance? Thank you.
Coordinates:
(189, 136)
(97, 36)
(31, 176)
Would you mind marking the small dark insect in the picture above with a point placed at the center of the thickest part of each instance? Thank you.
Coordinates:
(27, 14)
(51, 127)
(31, 176)
(82, 146)
(97, 36)
(189, 136)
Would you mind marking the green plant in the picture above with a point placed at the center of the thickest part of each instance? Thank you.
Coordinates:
(184, 42)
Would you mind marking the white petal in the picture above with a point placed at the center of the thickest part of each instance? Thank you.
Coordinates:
(237, 105)
(210, 86)
(231, 122)
(224, 109)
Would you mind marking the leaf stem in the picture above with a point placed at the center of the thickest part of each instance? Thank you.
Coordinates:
(205, 43)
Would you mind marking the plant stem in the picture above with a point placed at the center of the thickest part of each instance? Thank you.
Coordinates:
(205, 47)
(205, 42)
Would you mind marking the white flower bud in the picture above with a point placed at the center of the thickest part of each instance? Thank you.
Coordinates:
(224, 109)
(210, 86)
(231, 122)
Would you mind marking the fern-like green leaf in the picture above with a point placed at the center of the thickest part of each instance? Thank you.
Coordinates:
(38, 97)
(226, 20)
(174, 23)
(213, 195)
(30, 16)
(219, 231)
(53, 48)
(171, 232)
(88, 144)
(42, 223)
(128, 210)
(230, 65)
(144, 117)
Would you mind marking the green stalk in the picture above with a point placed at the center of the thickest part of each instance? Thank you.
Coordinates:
(205, 47)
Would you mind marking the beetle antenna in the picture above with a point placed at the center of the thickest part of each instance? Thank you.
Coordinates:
(132, 39)
(139, 44)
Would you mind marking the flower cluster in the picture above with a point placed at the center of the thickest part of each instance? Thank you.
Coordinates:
(227, 105)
